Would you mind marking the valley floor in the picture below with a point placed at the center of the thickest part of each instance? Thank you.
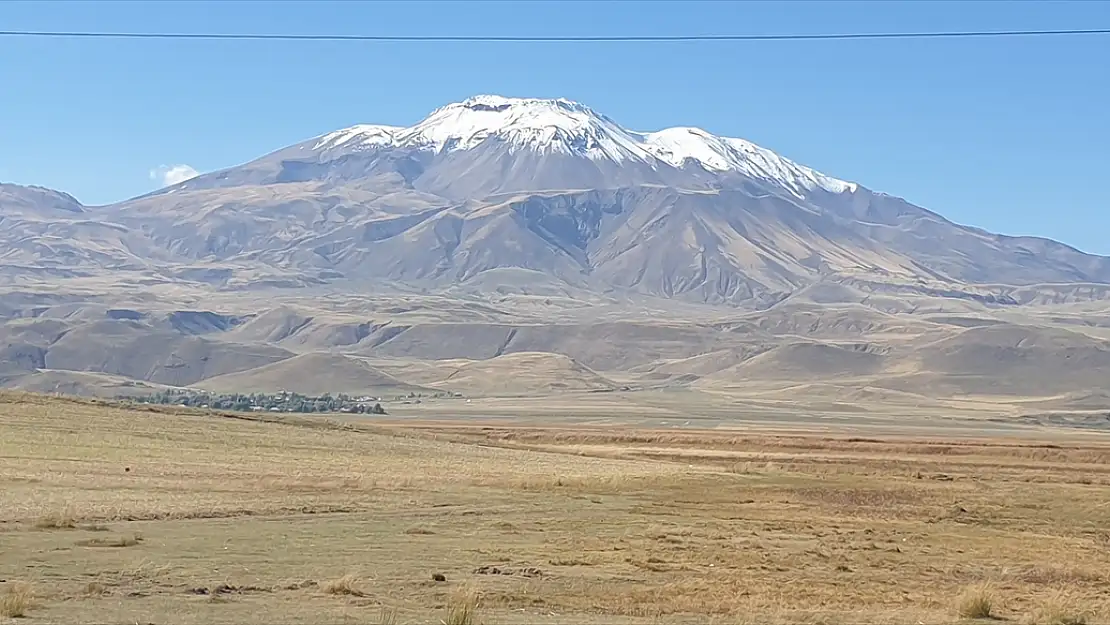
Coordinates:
(157, 516)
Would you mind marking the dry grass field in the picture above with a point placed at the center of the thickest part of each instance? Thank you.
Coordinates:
(112, 515)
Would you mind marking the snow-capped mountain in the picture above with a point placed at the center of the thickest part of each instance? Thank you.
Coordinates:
(489, 145)
(542, 125)
(560, 126)
(496, 189)
(498, 225)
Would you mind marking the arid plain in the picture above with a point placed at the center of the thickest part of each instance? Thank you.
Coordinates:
(129, 515)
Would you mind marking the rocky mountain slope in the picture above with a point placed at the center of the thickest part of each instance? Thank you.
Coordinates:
(544, 186)
(499, 235)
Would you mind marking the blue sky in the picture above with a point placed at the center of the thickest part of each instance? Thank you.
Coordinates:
(1005, 134)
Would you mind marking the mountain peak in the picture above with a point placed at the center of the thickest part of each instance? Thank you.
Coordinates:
(563, 126)
(498, 103)
(361, 136)
(544, 124)
(682, 145)
(34, 196)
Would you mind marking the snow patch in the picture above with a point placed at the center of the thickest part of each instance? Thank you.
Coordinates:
(362, 136)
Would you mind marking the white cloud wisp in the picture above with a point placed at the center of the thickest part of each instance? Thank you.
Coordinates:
(170, 175)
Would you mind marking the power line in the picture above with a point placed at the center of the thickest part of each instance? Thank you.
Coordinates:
(555, 39)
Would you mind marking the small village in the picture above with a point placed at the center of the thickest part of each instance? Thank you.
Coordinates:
(282, 401)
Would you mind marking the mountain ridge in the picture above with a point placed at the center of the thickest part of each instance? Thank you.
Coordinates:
(547, 186)
(555, 127)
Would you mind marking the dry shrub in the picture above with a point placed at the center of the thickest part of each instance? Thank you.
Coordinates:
(344, 586)
(118, 541)
(144, 570)
(608, 484)
(1055, 575)
(462, 609)
(1058, 609)
(573, 561)
(17, 600)
(863, 497)
(795, 617)
(976, 602)
(64, 519)
(387, 616)
(741, 468)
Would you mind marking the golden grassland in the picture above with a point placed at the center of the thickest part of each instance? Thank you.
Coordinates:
(114, 515)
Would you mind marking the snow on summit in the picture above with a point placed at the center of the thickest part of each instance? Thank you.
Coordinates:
(363, 135)
(560, 125)
(675, 145)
